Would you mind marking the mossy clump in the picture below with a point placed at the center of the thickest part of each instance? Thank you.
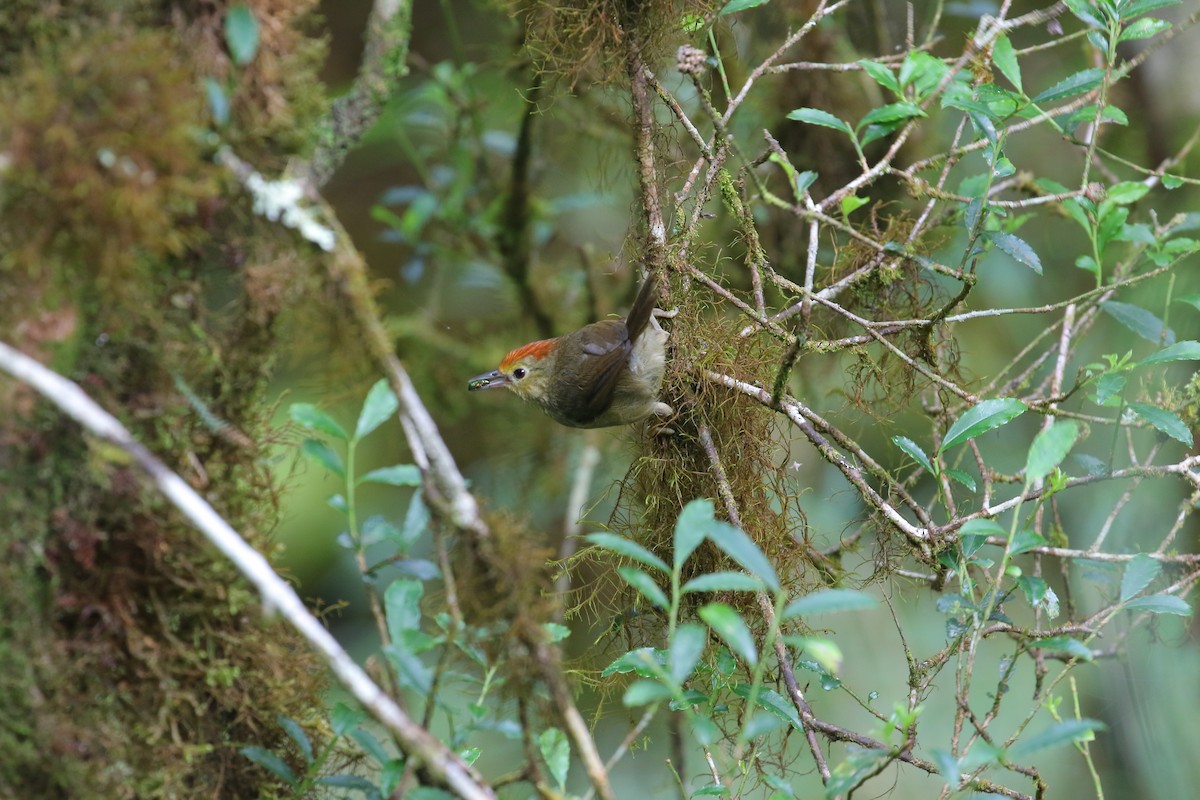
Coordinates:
(574, 38)
(714, 424)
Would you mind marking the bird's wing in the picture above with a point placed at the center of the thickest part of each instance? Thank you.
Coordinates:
(607, 342)
(643, 307)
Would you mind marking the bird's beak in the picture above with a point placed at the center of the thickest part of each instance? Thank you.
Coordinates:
(489, 380)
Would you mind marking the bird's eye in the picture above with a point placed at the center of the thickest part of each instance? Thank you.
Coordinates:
(519, 373)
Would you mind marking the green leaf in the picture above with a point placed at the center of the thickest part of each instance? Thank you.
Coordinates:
(218, 105)
(1139, 320)
(1005, 59)
(1017, 248)
(1187, 350)
(1129, 11)
(914, 451)
(1126, 192)
(975, 532)
(381, 403)
(314, 419)
(772, 701)
(724, 582)
(1080, 82)
(402, 606)
(734, 542)
(962, 477)
(828, 601)
(397, 475)
(241, 34)
(323, 454)
(297, 735)
(1109, 387)
(1160, 604)
(1086, 12)
(712, 790)
(1192, 300)
(734, 6)
(1144, 29)
(1071, 730)
(275, 764)
(644, 661)
(893, 112)
(987, 416)
(824, 651)
(1049, 448)
(629, 549)
(1065, 644)
(1164, 420)
(852, 202)
(343, 718)
(1025, 540)
(1140, 570)
(367, 741)
(685, 651)
(645, 691)
(556, 752)
(815, 116)
(732, 629)
(947, 764)
(881, 75)
(645, 586)
(555, 632)
(693, 521)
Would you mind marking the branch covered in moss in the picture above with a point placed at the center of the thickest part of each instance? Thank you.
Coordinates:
(442, 763)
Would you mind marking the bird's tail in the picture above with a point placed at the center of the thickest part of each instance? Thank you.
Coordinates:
(643, 307)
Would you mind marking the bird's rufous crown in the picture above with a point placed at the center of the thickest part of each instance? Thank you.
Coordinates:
(539, 350)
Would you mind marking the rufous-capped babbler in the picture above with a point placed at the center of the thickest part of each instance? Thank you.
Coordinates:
(606, 373)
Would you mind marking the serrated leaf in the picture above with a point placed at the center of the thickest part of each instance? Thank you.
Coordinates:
(734, 542)
(962, 477)
(323, 454)
(828, 601)
(1017, 248)
(724, 582)
(645, 691)
(645, 586)
(1078, 83)
(1164, 421)
(1160, 604)
(272, 762)
(729, 625)
(1144, 29)
(1109, 387)
(241, 34)
(1049, 448)
(684, 653)
(690, 527)
(881, 74)
(1065, 644)
(1140, 570)
(556, 752)
(914, 451)
(396, 475)
(772, 701)
(1005, 59)
(1136, 8)
(1072, 730)
(987, 416)
(381, 403)
(815, 116)
(1085, 12)
(629, 549)
(1187, 350)
(313, 418)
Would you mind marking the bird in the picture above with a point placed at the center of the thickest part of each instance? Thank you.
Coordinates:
(604, 374)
